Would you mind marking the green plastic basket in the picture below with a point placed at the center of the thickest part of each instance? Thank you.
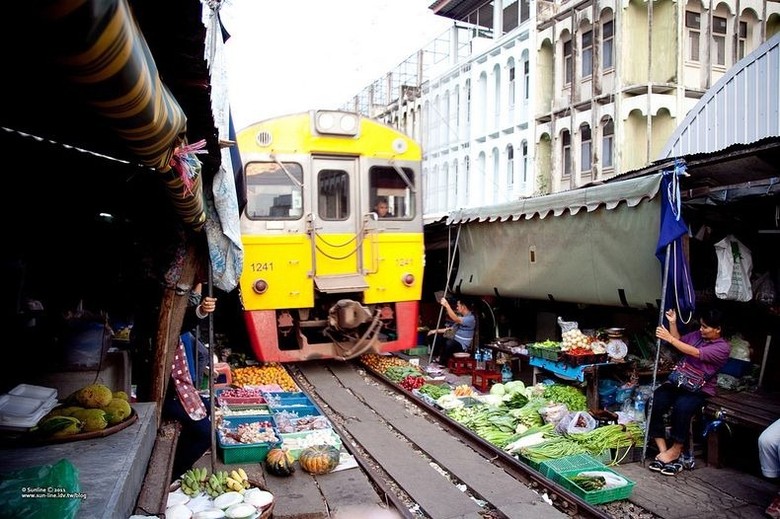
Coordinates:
(246, 453)
(596, 497)
(553, 354)
(568, 463)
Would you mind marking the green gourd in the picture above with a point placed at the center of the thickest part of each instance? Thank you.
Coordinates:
(319, 459)
(279, 462)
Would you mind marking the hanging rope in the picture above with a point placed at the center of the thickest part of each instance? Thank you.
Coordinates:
(451, 250)
(675, 202)
(186, 163)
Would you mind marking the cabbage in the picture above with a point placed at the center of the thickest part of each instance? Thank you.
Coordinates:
(498, 389)
(513, 386)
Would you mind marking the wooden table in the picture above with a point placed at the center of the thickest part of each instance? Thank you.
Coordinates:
(588, 373)
(111, 469)
(741, 409)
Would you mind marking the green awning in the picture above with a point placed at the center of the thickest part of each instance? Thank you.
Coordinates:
(592, 245)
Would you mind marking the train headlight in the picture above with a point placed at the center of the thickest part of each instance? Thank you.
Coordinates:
(260, 287)
(336, 123)
(408, 279)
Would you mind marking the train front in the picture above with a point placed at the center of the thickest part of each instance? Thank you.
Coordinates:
(333, 237)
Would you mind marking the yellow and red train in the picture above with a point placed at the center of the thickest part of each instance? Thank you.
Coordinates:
(325, 276)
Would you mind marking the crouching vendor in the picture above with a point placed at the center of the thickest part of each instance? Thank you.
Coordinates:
(705, 352)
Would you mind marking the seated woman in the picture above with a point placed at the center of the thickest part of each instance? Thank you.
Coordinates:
(462, 331)
(705, 350)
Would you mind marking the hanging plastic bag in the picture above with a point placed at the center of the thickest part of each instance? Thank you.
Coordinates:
(43, 492)
(764, 289)
(735, 265)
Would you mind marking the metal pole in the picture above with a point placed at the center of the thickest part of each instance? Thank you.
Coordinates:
(210, 292)
(451, 263)
(661, 312)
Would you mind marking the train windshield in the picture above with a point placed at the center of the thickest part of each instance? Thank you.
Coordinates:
(274, 190)
(392, 188)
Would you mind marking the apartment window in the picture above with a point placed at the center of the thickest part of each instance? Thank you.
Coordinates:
(585, 148)
(511, 85)
(693, 24)
(566, 152)
(719, 39)
(607, 144)
(587, 53)
(466, 174)
(468, 100)
(607, 44)
(510, 166)
(567, 63)
(526, 80)
(742, 42)
(524, 146)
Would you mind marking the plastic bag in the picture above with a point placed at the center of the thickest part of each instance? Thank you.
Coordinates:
(735, 265)
(567, 326)
(43, 492)
(554, 413)
(581, 422)
(764, 289)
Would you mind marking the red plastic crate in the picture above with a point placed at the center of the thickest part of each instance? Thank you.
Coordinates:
(580, 360)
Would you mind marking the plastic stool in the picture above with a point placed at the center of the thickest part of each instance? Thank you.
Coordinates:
(482, 379)
(460, 366)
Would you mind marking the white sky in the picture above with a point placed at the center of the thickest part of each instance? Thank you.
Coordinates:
(288, 56)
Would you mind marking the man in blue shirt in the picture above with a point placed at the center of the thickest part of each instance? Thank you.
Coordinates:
(460, 334)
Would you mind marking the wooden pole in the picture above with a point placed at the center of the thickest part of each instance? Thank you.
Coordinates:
(763, 361)
(172, 310)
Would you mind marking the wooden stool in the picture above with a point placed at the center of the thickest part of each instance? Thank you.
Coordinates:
(460, 366)
(482, 379)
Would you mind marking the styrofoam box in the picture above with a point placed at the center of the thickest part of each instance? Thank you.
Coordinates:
(19, 406)
(39, 392)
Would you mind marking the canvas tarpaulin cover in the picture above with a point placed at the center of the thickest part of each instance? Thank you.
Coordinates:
(594, 245)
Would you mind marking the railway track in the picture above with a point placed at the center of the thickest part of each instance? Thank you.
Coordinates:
(422, 463)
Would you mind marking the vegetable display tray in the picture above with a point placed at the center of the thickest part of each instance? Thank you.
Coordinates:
(234, 401)
(296, 442)
(596, 497)
(545, 353)
(297, 410)
(246, 452)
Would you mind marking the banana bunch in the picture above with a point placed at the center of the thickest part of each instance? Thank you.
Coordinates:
(217, 483)
(194, 480)
(237, 480)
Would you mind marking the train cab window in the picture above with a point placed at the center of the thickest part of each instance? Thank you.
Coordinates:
(274, 191)
(333, 194)
(396, 187)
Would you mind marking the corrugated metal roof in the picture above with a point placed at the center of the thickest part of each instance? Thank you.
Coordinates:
(631, 192)
(741, 108)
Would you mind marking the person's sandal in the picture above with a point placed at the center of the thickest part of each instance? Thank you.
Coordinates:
(773, 510)
(672, 469)
(656, 466)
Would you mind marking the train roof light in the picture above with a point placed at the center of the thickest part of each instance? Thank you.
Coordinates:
(336, 123)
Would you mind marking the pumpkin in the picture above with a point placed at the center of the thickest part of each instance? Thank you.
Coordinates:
(319, 459)
(279, 462)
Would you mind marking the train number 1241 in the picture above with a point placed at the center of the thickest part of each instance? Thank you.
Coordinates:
(263, 266)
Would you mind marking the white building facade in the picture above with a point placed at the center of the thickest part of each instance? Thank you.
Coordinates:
(521, 99)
